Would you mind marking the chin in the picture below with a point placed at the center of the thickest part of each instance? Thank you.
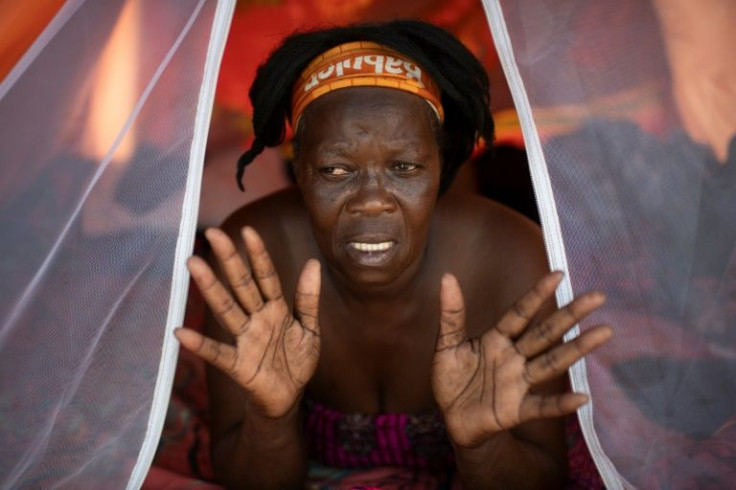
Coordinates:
(370, 278)
(374, 272)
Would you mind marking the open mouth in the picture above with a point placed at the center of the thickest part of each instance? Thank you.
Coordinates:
(372, 254)
(372, 247)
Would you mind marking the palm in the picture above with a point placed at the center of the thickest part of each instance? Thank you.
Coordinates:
(275, 352)
(484, 385)
(275, 355)
(481, 379)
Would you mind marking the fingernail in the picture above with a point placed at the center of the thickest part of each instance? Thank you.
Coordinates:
(597, 296)
(194, 265)
(248, 233)
(582, 399)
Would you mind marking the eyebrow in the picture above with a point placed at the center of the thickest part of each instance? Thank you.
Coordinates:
(337, 148)
(340, 148)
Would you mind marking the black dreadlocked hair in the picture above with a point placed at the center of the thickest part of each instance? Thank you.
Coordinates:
(462, 80)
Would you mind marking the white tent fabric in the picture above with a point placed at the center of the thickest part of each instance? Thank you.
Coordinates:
(633, 206)
(104, 122)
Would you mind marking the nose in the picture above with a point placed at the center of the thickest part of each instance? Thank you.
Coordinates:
(372, 198)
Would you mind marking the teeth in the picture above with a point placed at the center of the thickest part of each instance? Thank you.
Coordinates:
(371, 247)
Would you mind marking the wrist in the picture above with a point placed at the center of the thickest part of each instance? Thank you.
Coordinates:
(483, 449)
(505, 461)
(276, 430)
(465, 433)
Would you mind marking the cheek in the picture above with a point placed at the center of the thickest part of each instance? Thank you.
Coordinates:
(323, 205)
(417, 202)
(420, 195)
(419, 216)
(428, 192)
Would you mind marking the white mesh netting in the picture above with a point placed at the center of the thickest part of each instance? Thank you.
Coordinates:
(620, 105)
(103, 129)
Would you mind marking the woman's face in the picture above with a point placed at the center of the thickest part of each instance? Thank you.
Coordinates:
(369, 169)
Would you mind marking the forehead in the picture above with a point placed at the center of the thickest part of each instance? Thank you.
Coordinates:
(388, 114)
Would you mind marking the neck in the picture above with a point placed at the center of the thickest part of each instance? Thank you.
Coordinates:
(699, 39)
(388, 309)
(403, 287)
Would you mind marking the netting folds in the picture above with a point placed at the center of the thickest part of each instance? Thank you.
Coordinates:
(638, 201)
(103, 129)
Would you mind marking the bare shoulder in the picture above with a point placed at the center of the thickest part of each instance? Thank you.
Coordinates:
(282, 222)
(496, 253)
(481, 225)
(272, 216)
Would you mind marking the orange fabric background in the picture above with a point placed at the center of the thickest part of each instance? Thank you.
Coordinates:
(259, 25)
(20, 24)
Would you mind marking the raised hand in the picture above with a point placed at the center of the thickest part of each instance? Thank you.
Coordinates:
(484, 385)
(275, 352)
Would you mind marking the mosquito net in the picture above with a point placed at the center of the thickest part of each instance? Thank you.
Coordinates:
(627, 111)
(103, 127)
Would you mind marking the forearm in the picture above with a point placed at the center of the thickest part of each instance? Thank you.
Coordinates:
(508, 462)
(262, 453)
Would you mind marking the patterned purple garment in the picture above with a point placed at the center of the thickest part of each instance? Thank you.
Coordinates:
(413, 441)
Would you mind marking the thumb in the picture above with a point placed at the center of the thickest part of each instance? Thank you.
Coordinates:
(306, 299)
(452, 314)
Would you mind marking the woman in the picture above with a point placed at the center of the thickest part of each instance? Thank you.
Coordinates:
(381, 359)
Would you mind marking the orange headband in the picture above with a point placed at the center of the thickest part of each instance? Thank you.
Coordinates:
(361, 64)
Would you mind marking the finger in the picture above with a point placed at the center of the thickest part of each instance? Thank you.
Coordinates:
(452, 314)
(550, 331)
(240, 279)
(556, 361)
(527, 307)
(306, 299)
(263, 269)
(220, 355)
(548, 406)
(219, 300)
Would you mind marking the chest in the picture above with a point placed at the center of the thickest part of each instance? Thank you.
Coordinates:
(377, 358)
(381, 363)
(376, 363)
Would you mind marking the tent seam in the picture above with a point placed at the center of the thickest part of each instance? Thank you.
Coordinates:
(553, 240)
(185, 244)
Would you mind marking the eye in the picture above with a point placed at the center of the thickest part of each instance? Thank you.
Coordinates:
(334, 171)
(405, 167)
